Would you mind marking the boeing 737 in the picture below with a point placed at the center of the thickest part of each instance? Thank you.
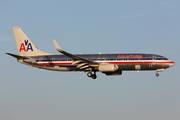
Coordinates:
(109, 64)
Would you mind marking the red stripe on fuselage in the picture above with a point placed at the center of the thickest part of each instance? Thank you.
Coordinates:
(141, 62)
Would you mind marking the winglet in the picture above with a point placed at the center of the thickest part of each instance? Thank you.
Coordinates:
(57, 46)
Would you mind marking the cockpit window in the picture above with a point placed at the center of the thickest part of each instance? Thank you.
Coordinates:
(163, 58)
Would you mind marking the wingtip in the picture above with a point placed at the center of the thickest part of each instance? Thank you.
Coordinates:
(7, 53)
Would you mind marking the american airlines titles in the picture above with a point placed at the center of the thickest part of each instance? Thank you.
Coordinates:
(129, 56)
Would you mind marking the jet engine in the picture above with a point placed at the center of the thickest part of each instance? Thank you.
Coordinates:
(108, 68)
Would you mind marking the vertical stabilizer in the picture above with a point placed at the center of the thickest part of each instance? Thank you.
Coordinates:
(24, 44)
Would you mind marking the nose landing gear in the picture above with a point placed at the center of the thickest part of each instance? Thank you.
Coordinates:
(157, 74)
(159, 70)
(93, 76)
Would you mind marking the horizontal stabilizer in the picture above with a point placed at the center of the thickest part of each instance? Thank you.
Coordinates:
(17, 56)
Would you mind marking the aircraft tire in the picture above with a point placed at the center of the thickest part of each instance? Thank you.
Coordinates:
(94, 76)
(157, 74)
(89, 74)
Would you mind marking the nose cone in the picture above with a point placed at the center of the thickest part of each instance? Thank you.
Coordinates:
(171, 64)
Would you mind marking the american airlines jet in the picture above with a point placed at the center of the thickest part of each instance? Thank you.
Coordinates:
(109, 64)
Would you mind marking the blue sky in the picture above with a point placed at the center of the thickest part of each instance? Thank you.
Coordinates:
(83, 26)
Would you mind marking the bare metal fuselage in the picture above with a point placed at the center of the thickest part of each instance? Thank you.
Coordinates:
(63, 63)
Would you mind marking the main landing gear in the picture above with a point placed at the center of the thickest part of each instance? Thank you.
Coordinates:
(94, 76)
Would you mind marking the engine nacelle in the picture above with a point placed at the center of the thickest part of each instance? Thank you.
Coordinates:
(108, 68)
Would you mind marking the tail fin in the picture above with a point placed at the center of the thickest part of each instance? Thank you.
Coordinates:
(24, 44)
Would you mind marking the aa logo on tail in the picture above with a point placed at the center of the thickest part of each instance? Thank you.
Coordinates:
(25, 46)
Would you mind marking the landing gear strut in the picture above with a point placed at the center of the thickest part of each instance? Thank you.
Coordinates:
(93, 76)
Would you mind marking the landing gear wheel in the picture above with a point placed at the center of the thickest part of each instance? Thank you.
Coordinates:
(89, 74)
(94, 76)
(157, 74)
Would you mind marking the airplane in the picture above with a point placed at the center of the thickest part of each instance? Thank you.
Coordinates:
(109, 64)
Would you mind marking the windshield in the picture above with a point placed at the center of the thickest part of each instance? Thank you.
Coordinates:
(163, 58)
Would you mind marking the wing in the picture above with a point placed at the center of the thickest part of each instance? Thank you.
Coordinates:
(82, 63)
